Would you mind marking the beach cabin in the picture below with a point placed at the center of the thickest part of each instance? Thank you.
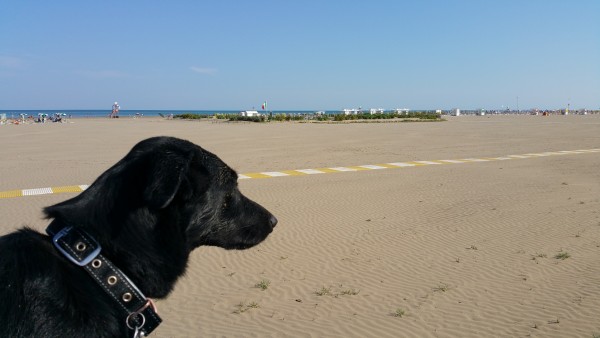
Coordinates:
(455, 112)
(401, 110)
(376, 111)
(249, 113)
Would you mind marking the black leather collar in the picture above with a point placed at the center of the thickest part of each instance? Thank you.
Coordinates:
(83, 250)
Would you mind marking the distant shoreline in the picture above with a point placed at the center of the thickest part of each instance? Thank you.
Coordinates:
(31, 114)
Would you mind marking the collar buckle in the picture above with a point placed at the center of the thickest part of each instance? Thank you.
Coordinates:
(76, 245)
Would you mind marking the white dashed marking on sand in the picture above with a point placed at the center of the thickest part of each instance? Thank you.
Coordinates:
(303, 172)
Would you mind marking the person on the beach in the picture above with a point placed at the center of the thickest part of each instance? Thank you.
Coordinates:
(115, 110)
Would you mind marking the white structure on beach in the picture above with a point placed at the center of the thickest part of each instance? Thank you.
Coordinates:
(352, 111)
(401, 110)
(249, 113)
(376, 110)
(455, 112)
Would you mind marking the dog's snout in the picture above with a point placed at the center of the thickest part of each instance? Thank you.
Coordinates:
(273, 221)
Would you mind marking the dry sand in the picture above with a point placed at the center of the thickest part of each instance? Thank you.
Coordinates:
(462, 250)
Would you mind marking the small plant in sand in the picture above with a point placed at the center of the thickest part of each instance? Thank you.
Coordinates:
(337, 291)
(323, 292)
(539, 255)
(562, 255)
(243, 307)
(595, 335)
(441, 288)
(349, 292)
(263, 284)
(398, 313)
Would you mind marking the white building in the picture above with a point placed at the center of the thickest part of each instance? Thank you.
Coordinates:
(376, 110)
(352, 111)
(249, 113)
(455, 112)
(401, 110)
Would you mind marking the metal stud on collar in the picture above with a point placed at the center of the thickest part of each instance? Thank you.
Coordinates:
(112, 280)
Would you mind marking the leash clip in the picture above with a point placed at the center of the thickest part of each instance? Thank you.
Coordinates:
(81, 246)
(132, 317)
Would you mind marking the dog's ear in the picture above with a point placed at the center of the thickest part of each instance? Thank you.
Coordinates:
(164, 179)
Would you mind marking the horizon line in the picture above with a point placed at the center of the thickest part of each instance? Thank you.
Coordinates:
(287, 109)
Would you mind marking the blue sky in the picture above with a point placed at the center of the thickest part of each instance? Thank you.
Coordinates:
(299, 54)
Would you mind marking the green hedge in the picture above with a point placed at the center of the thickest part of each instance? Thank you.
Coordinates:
(294, 117)
(190, 116)
(385, 116)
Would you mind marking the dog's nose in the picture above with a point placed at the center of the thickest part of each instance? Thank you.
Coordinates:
(273, 221)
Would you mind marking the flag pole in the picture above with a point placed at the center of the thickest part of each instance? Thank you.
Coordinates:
(264, 107)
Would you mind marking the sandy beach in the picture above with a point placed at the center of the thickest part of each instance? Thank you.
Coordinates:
(466, 247)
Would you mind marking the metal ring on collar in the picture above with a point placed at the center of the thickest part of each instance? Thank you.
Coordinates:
(135, 327)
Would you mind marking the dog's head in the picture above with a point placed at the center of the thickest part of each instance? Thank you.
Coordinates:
(166, 197)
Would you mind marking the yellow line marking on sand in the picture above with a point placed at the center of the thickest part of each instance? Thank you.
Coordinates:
(305, 172)
(357, 168)
(11, 193)
(327, 170)
(387, 165)
(310, 171)
(292, 173)
(255, 175)
(416, 163)
(69, 188)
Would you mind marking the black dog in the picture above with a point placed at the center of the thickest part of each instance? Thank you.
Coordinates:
(146, 213)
